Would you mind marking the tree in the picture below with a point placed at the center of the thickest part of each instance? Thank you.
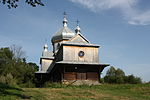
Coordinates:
(6, 56)
(110, 75)
(133, 80)
(34, 65)
(14, 69)
(5, 53)
(14, 3)
(118, 76)
(111, 71)
(18, 53)
(119, 72)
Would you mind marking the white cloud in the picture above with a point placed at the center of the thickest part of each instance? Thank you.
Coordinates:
(140, 19)
(128, 8)
(96, 5)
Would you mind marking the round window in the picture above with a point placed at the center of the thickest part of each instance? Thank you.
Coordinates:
(81, 53)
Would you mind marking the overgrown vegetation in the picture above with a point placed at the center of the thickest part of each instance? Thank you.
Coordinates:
(118, 76)
(14, 70)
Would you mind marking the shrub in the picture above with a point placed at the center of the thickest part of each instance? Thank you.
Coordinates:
(118, 76)
(8, 79)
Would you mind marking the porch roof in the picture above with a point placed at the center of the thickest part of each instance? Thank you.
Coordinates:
(81, 63)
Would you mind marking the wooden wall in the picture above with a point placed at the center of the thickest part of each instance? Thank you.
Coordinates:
(81, 76)
(59, 55)
(45, 64)
(70, 76)
(81, 72)
(92, 76)
(70, 53)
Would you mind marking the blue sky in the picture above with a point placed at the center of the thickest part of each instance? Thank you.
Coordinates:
(120, 27)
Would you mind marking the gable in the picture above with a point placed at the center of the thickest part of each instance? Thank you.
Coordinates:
(79, 39)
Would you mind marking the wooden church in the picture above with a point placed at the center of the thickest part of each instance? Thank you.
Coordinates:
(73, 60)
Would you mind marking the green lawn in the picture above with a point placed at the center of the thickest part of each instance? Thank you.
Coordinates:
(58, 92)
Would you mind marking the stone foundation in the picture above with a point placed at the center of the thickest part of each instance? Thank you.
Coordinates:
(81, 82)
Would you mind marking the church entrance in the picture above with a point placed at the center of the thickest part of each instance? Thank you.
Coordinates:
(81, 74)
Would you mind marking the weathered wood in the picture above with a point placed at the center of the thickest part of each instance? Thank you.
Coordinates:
(78, 39)
(81, 76)
(45, 64)
(70, 53)
(70, 76)
(92, 76)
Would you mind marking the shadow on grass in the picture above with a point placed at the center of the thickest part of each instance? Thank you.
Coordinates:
(6, 90)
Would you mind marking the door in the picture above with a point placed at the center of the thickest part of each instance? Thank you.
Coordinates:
(81, 75)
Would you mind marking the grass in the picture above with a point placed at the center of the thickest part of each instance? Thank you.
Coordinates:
(62, 92)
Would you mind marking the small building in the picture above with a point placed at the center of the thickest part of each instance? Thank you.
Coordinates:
(73, 60)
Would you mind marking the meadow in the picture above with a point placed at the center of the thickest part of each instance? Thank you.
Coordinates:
(63, 92)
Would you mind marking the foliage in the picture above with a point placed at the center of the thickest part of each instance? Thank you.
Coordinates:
(118, 76)
(14, 69)
(14, 3)
(34, 65)
(18, 53)
(8, 79)
(132, 79)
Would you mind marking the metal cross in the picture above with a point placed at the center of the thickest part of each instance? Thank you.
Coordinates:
(77, 22)
(65, 14)
(45, 40)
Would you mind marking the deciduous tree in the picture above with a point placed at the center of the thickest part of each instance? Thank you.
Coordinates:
(14, 3)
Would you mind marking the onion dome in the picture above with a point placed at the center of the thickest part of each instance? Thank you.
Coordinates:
(45, 47)
(64, 33)
(77, 30)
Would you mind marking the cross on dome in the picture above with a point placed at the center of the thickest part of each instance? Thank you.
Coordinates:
(65, 21)
(78, 30)
(77, 22)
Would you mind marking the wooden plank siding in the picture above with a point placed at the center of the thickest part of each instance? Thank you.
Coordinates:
(70, 76)
(70, 53)
(92, 76)
(81, 76)
(45, 64)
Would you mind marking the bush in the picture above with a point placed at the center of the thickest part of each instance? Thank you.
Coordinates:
(8, 79)
(133, 80)
(118, 76)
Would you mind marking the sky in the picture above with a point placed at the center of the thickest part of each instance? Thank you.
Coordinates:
(120, 27)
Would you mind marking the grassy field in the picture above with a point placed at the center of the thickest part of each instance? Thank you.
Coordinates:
(58, 92)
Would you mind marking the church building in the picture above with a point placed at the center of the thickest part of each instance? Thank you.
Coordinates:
(73, 60)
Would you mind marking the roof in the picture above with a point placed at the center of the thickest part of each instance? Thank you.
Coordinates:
(79, 44)
(84, 63)
(81, 36)
(63, 34)
(41, 72)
